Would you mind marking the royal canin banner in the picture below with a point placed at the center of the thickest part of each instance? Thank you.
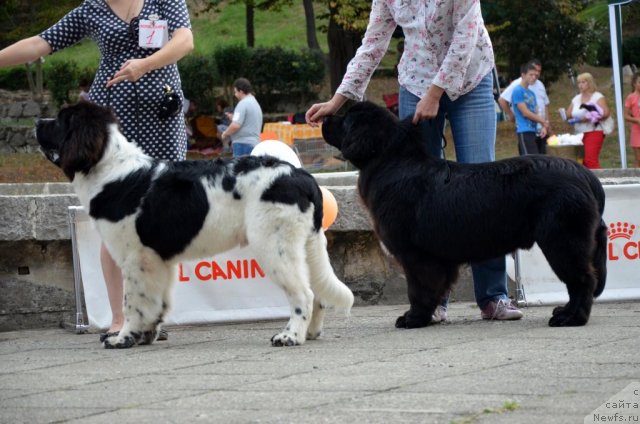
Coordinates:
(227, 287)
(622, 216)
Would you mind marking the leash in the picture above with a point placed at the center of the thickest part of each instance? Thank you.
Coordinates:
(443, 145)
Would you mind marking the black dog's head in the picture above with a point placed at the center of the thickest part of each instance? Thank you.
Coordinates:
(75, 140)
(364, 133)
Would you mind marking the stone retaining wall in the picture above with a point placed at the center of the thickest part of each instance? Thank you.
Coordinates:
(16, 125)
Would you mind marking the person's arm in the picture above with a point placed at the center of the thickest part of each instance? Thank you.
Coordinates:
(319, 110)
(602, 102)
(24, 51)
(360, 68)
(180, 45)
(467, 20)
(506, 108)
(231, 129)
(522, 107)
(628, 116)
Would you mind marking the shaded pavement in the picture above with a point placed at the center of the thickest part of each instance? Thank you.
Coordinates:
(361, 370)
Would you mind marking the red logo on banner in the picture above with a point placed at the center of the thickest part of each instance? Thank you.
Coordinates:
(631, 249)
(212, 270)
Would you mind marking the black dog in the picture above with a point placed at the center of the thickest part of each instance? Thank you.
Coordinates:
(434, 215)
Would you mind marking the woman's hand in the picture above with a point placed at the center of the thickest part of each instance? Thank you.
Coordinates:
(428, 106)
(319, 110)
(132, 70)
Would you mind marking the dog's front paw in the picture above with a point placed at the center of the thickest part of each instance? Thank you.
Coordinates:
(568, 320)
(284, 339)
(409, 320)
(119, 342)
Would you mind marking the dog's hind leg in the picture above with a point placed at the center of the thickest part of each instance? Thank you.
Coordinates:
(600, 258)
(282, 257)
(147, 287)
(571, 258)
(327, 289)
(427, 282)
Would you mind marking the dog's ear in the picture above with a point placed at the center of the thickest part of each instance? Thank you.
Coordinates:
(369, 131)
(86, 129)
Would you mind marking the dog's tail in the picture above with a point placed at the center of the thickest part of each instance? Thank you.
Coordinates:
(328, 289)
(600, 258)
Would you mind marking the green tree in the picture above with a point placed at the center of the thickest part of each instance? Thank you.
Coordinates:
(347, 23)
(20, 19)
(548, 30)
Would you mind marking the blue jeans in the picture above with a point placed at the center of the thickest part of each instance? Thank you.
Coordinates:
(473, 124)
(241, 149)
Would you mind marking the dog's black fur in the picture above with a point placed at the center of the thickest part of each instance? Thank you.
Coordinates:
(434, 215)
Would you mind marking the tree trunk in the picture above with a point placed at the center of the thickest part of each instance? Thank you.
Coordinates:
(251, 34)
(342, 47)
(310, 20)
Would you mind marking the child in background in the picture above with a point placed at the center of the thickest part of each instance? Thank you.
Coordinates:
(85, 86)
(632, 115)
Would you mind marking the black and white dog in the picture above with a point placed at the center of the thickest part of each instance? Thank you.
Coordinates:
(153, 214)
(434, 215)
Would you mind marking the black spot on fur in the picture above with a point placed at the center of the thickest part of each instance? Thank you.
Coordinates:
(236, 195)
(299, 188)
(298, 311)
(174, 209)
(140, 313)
(121, 198)
(228, 182)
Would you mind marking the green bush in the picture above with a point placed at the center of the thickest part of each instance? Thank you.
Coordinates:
(231, 63)
(14, 78)
(199, 77)
(631, 51)
(60, 78)
(282, 77)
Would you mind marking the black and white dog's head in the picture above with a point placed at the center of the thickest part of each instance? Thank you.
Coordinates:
(75, 140)
(364, 133)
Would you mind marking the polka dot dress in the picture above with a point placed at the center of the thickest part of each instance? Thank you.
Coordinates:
(135, 104)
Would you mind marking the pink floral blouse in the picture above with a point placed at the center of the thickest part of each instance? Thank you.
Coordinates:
(446, 44)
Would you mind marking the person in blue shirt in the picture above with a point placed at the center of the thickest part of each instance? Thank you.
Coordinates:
(528, 122)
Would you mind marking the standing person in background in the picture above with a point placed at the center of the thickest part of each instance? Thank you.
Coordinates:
(632, 116)
(524, 104)
(84, 86)
(246, 123)
(130, 79)
(542, 102)
(593, 134)
(445, 70)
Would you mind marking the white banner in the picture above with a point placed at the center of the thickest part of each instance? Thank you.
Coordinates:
(622, 215)
(227, 287)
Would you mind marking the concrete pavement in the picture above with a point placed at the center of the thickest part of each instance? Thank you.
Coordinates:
(362, 370)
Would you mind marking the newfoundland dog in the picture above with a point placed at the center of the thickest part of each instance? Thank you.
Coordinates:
(152, 214)
(434, 215)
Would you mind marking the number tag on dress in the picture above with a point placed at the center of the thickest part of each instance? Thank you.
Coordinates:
(153, 34)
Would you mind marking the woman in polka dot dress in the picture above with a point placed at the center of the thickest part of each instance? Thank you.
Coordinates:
(130, 79)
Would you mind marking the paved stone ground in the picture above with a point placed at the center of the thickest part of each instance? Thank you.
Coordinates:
(361, 371)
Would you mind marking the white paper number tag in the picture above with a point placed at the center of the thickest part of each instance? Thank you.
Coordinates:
(153, 34)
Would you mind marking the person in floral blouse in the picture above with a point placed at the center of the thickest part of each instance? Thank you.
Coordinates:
(445, 71)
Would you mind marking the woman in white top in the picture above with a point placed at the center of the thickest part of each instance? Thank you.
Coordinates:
(593, 134)
(445, 70)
